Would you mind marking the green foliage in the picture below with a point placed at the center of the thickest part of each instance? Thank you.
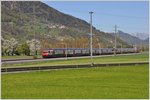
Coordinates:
(24, 49)
(23, 25)
(128, 82)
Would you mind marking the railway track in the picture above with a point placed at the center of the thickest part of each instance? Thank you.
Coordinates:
(39, 68)
(9, 61)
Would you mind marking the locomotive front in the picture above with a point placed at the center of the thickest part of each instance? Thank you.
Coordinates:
(47, 53)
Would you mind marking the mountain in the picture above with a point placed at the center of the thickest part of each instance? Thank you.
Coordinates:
(126, 37)
(146, 41)
(25, 20)
(141, 36)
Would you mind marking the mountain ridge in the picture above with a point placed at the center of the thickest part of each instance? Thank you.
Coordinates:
(130, 39)
(47, 23)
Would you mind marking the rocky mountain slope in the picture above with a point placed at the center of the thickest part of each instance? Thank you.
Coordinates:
(132, 40)
(25, 20)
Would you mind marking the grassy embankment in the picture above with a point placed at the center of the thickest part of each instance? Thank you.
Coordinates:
(104, 82)
(19, 57)
(112, 59)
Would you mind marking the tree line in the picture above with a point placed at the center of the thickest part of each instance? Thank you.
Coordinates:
(10, 47)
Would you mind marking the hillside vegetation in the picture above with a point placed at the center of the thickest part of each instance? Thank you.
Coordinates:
(25, 20)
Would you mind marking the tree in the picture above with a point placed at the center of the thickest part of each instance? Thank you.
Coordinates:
(34, 45)
(9, 47)
(24, 49)
(4, 46)
(13, 45)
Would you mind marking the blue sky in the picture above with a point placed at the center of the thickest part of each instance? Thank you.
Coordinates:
(129, 16)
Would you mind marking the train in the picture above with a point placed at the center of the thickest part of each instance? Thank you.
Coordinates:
(73, 52)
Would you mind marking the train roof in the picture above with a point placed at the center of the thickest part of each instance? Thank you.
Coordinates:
(64, 48)
(85, 48)
(74, 48)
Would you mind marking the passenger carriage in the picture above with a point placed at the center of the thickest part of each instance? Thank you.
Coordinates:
(72, 52)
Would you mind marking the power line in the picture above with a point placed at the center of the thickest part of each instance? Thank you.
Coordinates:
(109, 14)
(126, 16)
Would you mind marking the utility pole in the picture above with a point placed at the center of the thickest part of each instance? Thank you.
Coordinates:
(34, 12)
(121, 47)
(91, 47)
(66, 50)
(115, 48)
(99, 45)
(33, 21)
(35, 51)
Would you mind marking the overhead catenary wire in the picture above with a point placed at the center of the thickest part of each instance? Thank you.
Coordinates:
(107, 14)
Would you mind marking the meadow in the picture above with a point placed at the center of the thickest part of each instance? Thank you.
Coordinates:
(110, 59)
(19, 57)
(87, 83)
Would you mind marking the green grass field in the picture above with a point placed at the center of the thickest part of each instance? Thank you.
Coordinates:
(110, 59)
(19, 57)
(102, 82)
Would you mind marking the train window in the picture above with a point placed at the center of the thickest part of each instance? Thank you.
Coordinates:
(77, 51)
(83, 51)
(70, 51)
(59, 51)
